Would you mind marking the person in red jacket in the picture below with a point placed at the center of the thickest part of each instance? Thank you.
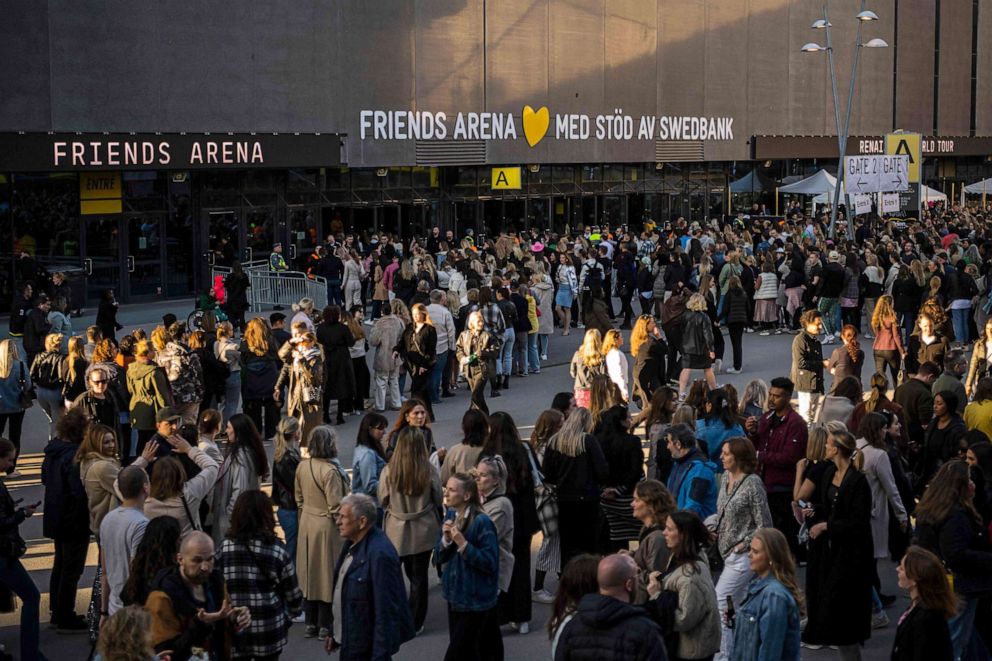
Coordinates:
(780, 437)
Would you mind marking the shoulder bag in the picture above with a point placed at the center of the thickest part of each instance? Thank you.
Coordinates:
(545, 498)
(713, 555)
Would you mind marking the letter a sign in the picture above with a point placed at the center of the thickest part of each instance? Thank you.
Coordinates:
(506, 179)
(907, 144)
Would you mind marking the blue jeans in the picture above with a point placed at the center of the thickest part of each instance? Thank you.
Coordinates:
(964, 639)
(544, 341)
(960, 319)
(15, 577)
(520, 353)
(232, 395)
(908, 323)
(289, 521)
(533, 359)
(436, 372)
(504, 362)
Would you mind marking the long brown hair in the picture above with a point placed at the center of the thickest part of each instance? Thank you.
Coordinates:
(879, 385)
(409, 469)
(849, 334)
(948, 489)
(932, 589)
(547, 425)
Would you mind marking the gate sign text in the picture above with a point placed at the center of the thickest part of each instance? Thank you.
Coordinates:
(876, 174)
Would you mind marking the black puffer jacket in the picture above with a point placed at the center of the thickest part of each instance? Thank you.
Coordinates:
(606, 629)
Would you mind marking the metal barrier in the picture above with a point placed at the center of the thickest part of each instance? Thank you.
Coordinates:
(270, 288)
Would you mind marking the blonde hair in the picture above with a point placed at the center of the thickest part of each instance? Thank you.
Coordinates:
(639, 335)
(590, 352)
(420, 308)
(697, 303)
(570, 439)
(53, 341)
(143, 348)
(159, 338)
(409, 468)
(783, 566)
(9, 355)
(883, 313)
(816, 444)
(127, 636)
(612, 340)
(258, 338)
(685, 415)
(755, 392)
(305, 305)
(400, 309)
(285, 439)
(224, 330)
(77, 349)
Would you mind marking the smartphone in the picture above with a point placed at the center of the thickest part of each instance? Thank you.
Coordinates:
(450, 514)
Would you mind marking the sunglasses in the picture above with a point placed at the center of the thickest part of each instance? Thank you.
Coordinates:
(97, 382)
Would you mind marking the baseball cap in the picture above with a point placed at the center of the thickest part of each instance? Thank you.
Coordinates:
(166, 413)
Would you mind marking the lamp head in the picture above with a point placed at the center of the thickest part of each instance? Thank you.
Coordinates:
(866, 16)
(821, 24)
(876, 43)
(812, 47)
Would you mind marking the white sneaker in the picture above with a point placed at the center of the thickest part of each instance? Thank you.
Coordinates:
(879, 620)
(731, 370)
(765, 333)
(299, 619)
(829, 339)
(717, 365)
(544, 356)
(542, 596)
(524, 628)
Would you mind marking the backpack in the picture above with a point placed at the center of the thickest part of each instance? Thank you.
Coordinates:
(594, 277)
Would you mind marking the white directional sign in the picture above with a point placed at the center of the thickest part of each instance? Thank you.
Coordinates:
(876, 174)
(890, 202)
(860, 203)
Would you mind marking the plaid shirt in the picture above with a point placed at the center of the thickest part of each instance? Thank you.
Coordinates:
(263, 579)
(492, 317)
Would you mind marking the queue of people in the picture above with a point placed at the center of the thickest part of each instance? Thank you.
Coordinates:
(157, 451)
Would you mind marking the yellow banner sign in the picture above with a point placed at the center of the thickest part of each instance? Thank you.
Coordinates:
(99, 193)
(907, 144)
(506, 178)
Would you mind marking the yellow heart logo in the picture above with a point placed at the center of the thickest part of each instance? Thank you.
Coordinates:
(536, 124)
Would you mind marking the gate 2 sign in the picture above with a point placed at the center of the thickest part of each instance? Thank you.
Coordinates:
(876, 174)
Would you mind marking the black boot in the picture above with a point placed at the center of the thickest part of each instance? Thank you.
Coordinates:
(506, 382)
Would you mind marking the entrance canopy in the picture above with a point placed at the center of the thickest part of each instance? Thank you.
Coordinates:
(752, 182)
(821, 182)
(933, 195)
(979, 187)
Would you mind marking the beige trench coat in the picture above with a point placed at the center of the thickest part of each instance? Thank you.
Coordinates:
(319, 490)
(411, 522)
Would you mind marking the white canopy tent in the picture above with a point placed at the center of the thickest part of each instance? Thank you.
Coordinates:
(933, 195)
(821, 182)
(979, 187)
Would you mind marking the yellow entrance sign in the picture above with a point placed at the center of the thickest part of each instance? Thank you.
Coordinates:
(99, 193)
(907, 144)
(506, 179)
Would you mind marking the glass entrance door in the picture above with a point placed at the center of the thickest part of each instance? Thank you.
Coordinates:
(304, 235)
(102, 245)
(144, 255)
(263, 231)
(222, 239)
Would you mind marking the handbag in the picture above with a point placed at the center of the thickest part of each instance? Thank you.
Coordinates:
(311, 394)
(25, 396)
(545, 499)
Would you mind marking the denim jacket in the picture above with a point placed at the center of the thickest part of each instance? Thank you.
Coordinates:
(366, 466)
(470, 578)
(10, 388)
(767, 624)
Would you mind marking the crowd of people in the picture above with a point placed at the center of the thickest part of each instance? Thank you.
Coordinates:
(674, 512)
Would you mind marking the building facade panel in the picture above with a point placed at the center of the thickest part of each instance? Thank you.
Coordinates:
(983, 81)
(915, 65)
(954, 88)
(27, 100)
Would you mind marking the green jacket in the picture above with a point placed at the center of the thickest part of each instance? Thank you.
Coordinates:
(150, 392)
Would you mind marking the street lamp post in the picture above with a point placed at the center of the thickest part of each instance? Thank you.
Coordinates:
(864, 16)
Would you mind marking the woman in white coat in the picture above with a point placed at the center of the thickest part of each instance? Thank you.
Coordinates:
(884, 492)
(352, 281)
(616, 361)
(544, 293)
